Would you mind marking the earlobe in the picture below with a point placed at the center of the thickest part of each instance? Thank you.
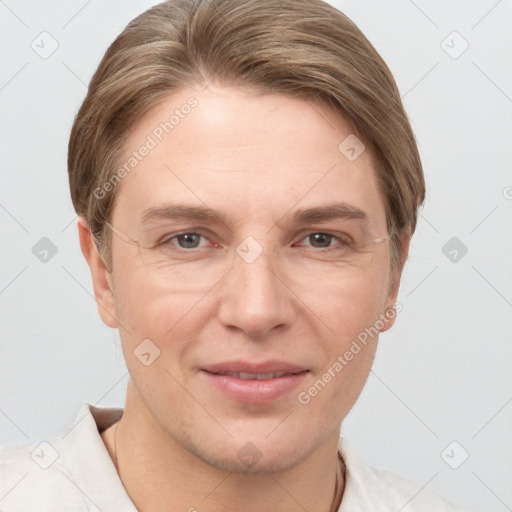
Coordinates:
(101, 276)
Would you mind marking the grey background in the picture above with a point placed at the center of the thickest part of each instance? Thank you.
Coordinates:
(442, 374)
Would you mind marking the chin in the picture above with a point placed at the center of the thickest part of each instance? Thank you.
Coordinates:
(249, 460)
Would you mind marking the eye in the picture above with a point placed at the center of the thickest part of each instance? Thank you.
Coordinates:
(320, 240)
(187, 240)
(325, 241)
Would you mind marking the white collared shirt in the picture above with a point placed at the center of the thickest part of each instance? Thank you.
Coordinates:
(74, 473)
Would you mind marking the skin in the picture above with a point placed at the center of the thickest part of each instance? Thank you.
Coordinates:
(257, 159)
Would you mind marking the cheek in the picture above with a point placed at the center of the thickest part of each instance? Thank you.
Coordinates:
(346, 302)
(348, 309)
(352, 316)
(171, 318)
(151, 309)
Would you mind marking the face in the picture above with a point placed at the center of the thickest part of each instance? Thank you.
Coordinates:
(244, 268)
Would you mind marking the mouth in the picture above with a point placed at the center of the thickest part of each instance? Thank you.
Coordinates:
(255, 376)
(254, 383)
(266, 369)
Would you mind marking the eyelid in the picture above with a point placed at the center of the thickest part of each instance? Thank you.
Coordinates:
(341, 238)
(173, 236)
(332, 232)
(205, 233)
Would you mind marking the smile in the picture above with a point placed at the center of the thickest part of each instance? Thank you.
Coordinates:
(254, 387)
(253, 376)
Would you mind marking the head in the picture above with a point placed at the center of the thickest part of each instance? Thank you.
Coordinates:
(251, 126)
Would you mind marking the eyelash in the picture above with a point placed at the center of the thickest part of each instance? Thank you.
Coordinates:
(343, 240)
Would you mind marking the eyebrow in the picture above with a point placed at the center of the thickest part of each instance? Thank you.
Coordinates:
(329, 212)
(181, 211)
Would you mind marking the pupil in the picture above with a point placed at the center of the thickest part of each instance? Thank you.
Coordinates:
(323, 239)
(189, 240)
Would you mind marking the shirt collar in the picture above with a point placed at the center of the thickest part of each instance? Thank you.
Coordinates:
(87, 462)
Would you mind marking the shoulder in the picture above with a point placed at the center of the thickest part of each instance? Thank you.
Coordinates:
(370, 489)
(72, 472)
(411, 496)
(32, 477)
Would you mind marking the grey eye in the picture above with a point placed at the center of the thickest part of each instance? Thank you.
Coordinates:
(320, 240)
(188, 240)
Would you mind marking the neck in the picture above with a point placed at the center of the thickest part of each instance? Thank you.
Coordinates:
(159, 474)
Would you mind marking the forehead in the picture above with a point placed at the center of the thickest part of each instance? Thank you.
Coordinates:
(254, 155)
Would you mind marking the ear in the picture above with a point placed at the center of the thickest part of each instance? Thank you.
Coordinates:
(394, 283)
(101, 276)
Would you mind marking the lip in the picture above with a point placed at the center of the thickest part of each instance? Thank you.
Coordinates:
(254, 391)
(272, 366)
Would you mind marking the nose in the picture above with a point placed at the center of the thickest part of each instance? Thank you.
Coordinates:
(255, 298)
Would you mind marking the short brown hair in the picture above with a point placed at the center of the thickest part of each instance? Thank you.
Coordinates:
(299, 48)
